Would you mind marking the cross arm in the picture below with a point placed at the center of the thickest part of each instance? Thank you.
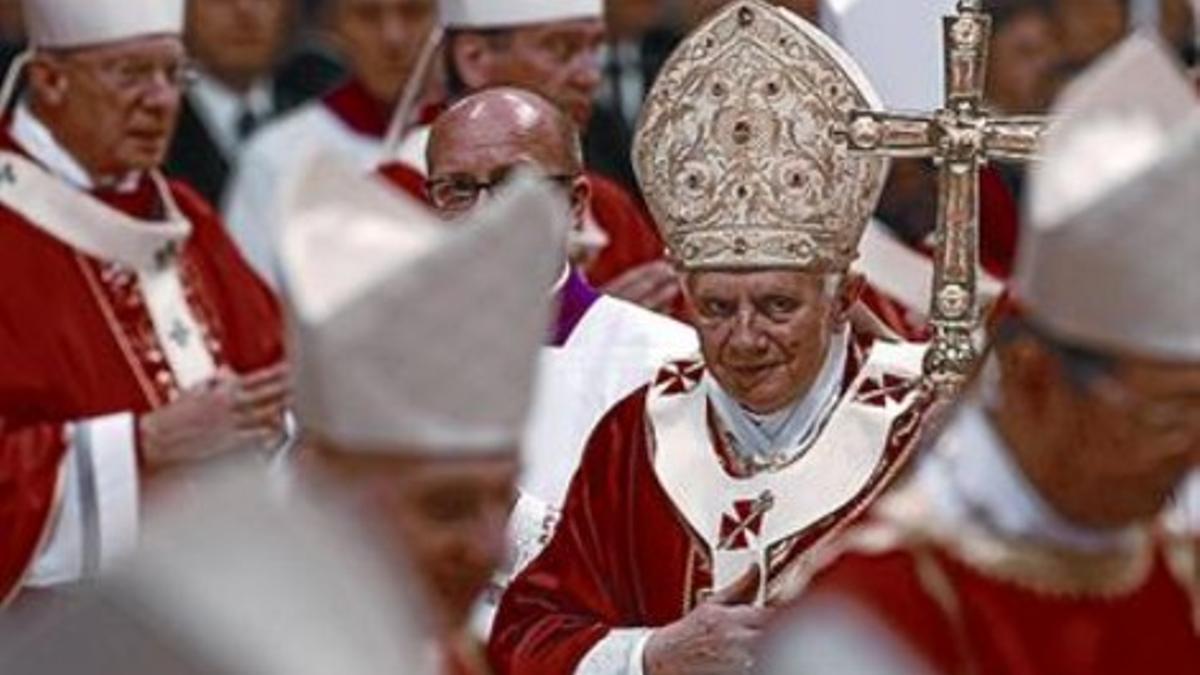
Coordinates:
(1014, 139)
(891, 134)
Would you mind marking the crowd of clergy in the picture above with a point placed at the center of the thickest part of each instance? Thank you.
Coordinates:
(586, 337)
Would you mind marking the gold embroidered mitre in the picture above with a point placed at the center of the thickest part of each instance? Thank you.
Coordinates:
(738, 150)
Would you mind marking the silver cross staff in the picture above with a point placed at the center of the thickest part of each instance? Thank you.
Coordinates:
(960, 138)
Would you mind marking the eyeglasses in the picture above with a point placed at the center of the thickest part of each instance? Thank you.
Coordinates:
(456, 194)
(139, 73)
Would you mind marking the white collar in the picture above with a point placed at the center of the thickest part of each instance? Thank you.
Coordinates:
(38, 140)
(774, 435)
(970, 476)
(220, 108)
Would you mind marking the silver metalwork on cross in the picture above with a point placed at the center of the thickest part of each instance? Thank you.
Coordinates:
(960, 138)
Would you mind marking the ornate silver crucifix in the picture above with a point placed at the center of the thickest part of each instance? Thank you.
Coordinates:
(960, 138)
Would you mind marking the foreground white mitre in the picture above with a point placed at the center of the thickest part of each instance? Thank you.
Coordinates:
(416, 335)
(1112, 237)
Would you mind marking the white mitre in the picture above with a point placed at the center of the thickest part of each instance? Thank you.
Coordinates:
(737, 151)
(507, 13)
(1109, 257)
(232, 582)
(62, 24)
(416, 335)
(899, 46)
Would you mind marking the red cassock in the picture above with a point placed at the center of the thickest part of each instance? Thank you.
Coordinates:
(77, 342)
(987, 607)
(642, 540)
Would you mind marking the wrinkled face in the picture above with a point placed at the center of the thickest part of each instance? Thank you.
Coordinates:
(560, 61)
(765, 335)
(1024, 63)
(468, 162)
(113, 107)
(238, 39)
(1120, 442)
(381, 40)
(447, 517)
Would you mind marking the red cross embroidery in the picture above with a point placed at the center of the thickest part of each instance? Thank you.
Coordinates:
(879, 391)
(679, 377)
(745, 522)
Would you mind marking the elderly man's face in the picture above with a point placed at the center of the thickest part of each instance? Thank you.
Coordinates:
(114, 107)
(560, 61)
(381, 40)
(447, 517)
(236, 39)
(765, 335)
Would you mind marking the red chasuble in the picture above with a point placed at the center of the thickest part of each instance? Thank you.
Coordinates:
(76, 342)
(974, 603)
(659, 512)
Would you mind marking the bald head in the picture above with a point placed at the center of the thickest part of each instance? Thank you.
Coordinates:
(499, 129)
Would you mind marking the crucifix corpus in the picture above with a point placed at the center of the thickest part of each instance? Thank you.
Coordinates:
(960, 138)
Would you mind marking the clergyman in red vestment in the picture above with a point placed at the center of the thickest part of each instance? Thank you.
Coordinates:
(1031, 540)
(133, 338)
(713, 486)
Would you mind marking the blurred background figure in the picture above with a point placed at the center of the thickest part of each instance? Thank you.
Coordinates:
(1087, 28)
(234, 584)
(416, 348)
(639, 41)
(378, 40)
(236, 46)
(1023, 57)
(12, 31)
(1025, 60)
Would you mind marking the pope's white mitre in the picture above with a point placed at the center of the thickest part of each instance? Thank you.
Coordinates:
(897, 44)
(60, 24)
(232, 582)
(415, 335)
(1108, 259)
(506, 13)
(737, 149)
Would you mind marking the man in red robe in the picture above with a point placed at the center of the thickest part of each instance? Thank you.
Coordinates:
(135, 341)
(708, 490)
(550, 47)
(1030, 539)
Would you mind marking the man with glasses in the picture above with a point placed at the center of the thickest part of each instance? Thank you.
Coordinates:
(599, 348)
(551, 47)
(135, 341)
(1030, 539)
